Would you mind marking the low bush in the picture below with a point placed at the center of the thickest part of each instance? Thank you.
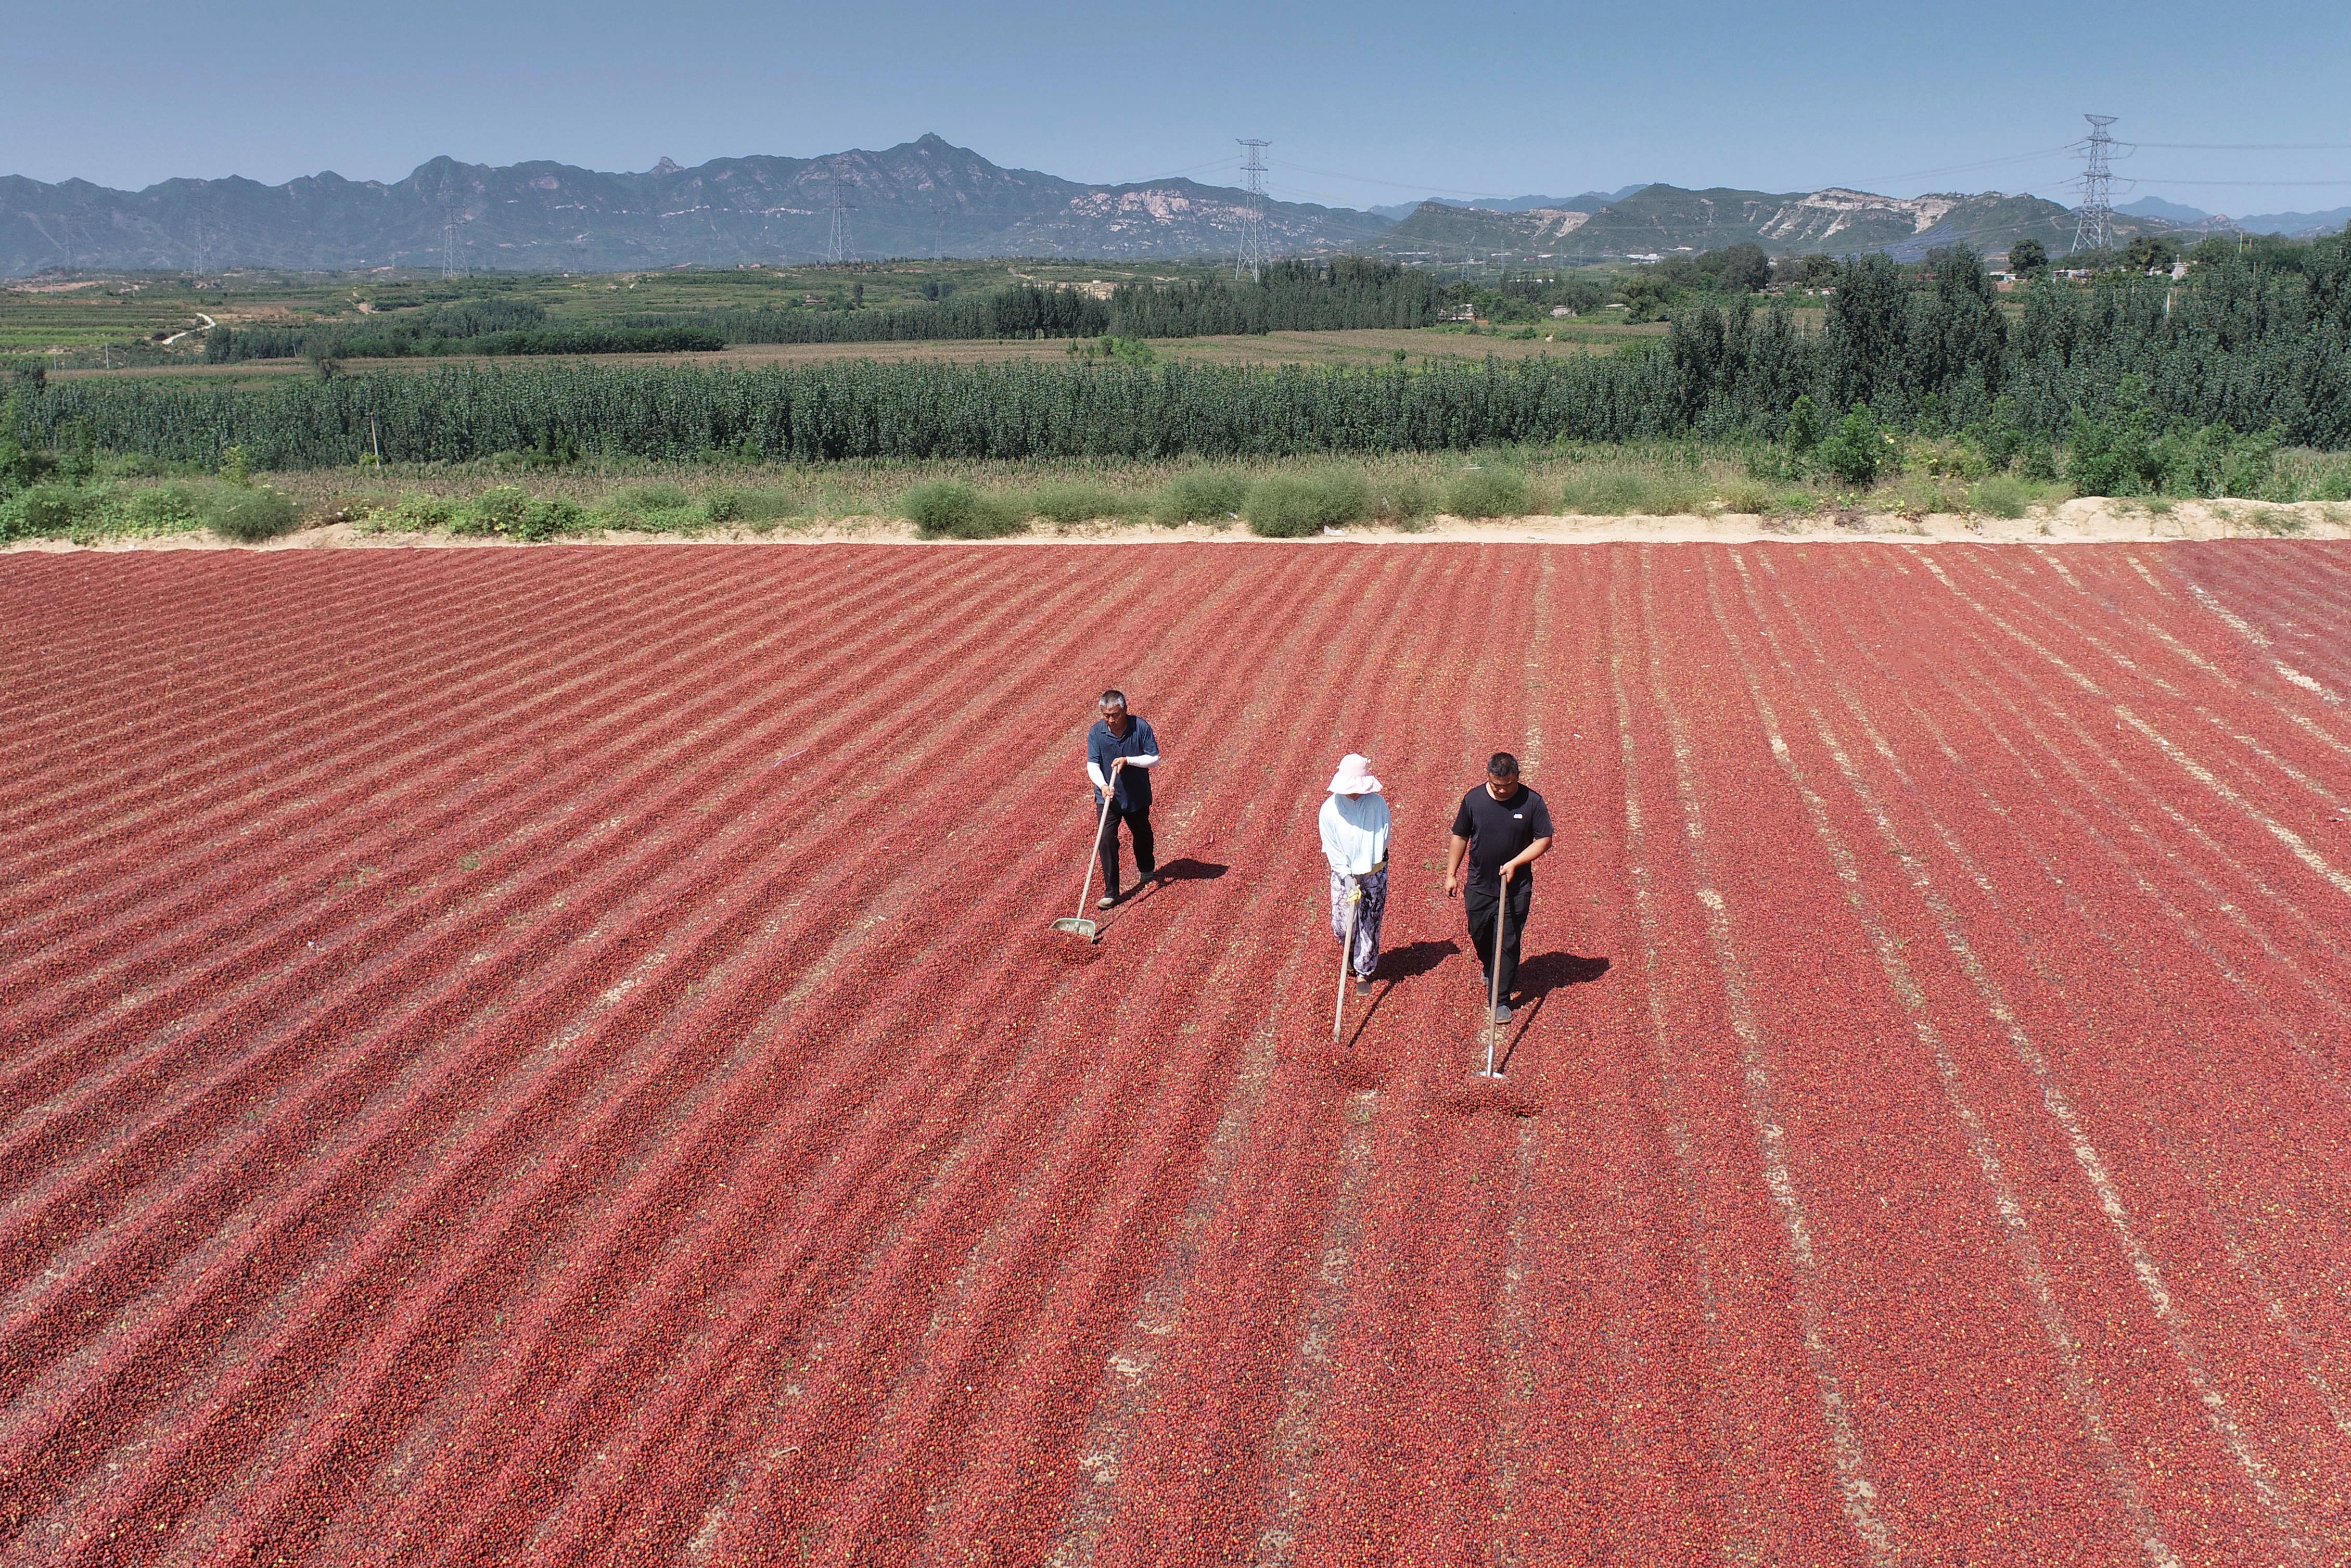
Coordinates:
(250, 515)
(753, 508)
(161, 509)
(644, 499)
(1598, 492)
(946, 510)
(1401, 501)
(45, 511)
(1858, 450)
(1078, 501)
(1489, 493)
(1200, 496)
(1293, 505)
(413, 512)
(2000, 495)
(510, 512)
(1747, 496)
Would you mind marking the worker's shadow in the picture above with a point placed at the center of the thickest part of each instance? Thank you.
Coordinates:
(1185, 869)
(1538, 977)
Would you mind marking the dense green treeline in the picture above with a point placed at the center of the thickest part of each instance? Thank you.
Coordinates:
(462, 327)
(864, 410)
(1290, 295)
(2117, 367)
(1015, 310)
(1345, 294)
(2238, 345)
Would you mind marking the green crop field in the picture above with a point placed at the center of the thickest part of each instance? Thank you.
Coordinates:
(78, 313)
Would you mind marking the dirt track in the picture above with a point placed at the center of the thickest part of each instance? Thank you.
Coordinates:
(556, 1053)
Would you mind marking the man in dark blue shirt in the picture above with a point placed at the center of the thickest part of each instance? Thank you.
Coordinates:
(1121, 752)
(1501, 828)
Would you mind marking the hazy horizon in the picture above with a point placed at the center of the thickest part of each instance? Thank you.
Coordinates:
(1365, 105)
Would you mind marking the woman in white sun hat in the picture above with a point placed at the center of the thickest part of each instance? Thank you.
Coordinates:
(1354, 823)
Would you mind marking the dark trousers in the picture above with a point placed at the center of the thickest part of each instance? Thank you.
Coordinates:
(1138, 826)
(1481, 903)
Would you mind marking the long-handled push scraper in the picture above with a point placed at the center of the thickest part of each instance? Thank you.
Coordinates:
(1494, 1002)
(1078, 925)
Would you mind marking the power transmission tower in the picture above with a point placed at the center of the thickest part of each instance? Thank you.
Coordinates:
(837, 247)
(448, 248)
(1252, 257)
(938, 225)
(2093, 228)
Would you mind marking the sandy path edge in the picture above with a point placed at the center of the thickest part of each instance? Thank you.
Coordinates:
(2084, 521)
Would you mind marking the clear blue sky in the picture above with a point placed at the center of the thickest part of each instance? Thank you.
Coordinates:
(1365, 102)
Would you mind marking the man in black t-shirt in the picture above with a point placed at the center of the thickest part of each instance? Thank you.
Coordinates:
(1501, 828)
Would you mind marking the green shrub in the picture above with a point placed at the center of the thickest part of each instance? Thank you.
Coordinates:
(944, 509)
(753, 506)
(1803, 424)
(1487, 493)
(415, 513)
(161, 510)
(2000, 495)
(497, 510)
(1403, 501)
(1597, 492)
(1200, 494)
(1749, 495)
(510, 512)
(250, 515)
(1857, 450)
(44, 511)
(644, 499)
(1293, 505)
(1077, 501)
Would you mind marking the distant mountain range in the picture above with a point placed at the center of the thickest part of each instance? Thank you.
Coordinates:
(1587, 201)
(2298, 225)
(918, 198)
(1658, 220)
(928, 196)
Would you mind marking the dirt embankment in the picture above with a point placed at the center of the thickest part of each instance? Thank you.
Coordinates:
(2088, 521)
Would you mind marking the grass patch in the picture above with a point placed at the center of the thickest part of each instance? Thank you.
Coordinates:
(1200, 496)
(2274, 520)
(1749, 497)
(2000, 495)
(1489, 493)
(1403, 501)
(1613, 492)
(1079, 501)
(760, 511)
(248, 517)
(1294, 506)
(945, 509)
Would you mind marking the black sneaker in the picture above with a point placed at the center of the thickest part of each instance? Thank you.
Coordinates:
(1503, 1013)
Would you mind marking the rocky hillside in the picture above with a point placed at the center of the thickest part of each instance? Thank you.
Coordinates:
(910, 200)
(1659, 219)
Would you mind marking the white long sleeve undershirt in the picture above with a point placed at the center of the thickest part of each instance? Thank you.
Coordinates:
(1095, 772)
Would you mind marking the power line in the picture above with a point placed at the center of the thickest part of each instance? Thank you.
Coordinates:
(2250, 146)
(1252, 257)
(2256, 184)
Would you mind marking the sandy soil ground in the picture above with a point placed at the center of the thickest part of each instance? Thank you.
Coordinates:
(2088, 521)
